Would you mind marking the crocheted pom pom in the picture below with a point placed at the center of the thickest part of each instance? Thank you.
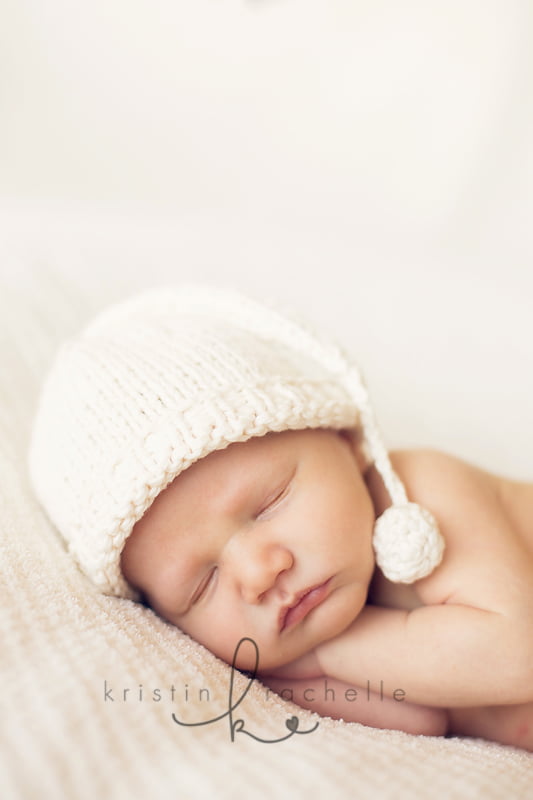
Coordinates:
(407, 543)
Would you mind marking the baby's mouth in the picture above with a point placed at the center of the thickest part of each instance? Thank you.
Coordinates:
(302, 604)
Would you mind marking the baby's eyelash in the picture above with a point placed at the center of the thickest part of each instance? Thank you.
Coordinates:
(202, 588)
(272, 502)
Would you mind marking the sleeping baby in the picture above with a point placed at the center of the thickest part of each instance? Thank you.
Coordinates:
(208, 456)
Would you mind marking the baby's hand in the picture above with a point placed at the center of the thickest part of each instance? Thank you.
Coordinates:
(306, 666)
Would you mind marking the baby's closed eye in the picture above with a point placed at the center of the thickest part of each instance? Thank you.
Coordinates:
(204, 585)
(274, 499)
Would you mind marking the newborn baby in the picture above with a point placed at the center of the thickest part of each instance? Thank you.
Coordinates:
(204, 454)
(280, 550)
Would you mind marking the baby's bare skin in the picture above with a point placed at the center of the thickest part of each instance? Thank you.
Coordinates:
(481, 656)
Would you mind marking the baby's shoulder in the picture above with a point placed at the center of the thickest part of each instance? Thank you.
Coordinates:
(467, 503)
(457, 492)
(434, 474)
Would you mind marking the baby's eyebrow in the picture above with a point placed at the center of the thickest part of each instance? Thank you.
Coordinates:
(251, 488)
(237, 494)
(255, 493)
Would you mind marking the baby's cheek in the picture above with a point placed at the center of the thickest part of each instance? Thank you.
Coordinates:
(219, 634)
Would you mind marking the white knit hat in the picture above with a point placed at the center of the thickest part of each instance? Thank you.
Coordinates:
(163, 379)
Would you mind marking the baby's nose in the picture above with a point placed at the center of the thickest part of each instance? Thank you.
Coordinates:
(258, 567)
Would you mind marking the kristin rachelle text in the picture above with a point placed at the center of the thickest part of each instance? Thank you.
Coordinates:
(140, 695)
(185, 693)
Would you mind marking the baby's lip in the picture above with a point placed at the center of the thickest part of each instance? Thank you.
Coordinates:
(301, 604)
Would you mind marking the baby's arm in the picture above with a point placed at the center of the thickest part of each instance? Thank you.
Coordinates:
(442, 655)
(333, 698)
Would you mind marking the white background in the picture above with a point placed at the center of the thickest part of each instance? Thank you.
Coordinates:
(370, 163)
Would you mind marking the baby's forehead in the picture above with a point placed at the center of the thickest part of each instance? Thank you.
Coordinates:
(259, 452)
(235, 461)
(253, 459)
(261, 449)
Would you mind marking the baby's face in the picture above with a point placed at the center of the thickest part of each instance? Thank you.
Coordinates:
(269, 539)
